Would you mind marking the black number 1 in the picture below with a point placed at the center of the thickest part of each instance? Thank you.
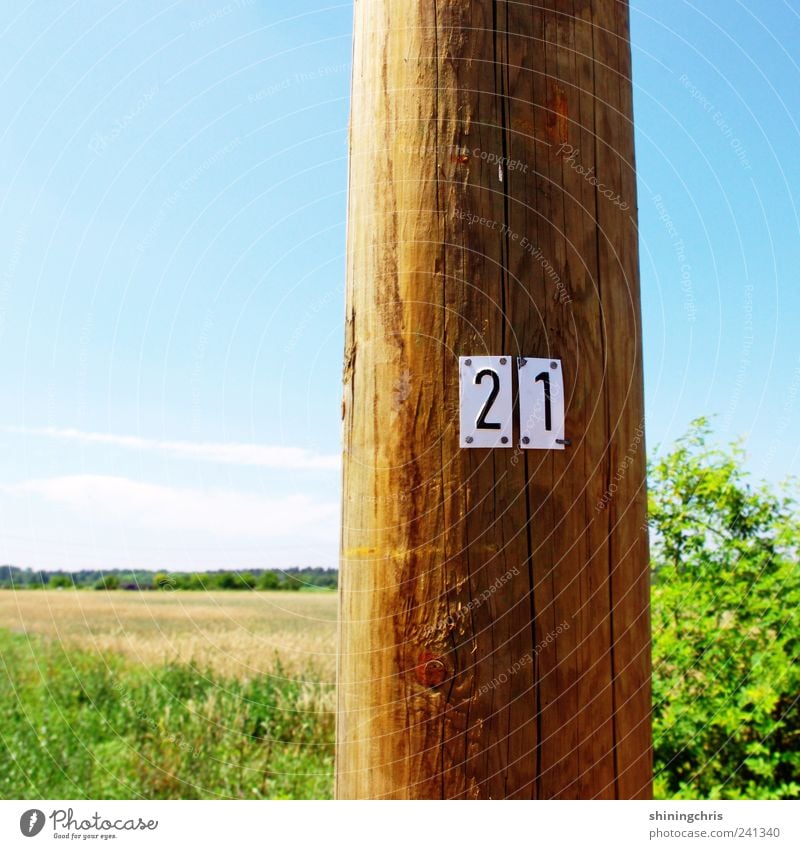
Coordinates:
(482, 424)
(548, 415)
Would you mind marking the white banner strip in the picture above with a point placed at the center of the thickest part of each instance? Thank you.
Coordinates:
(396, 825)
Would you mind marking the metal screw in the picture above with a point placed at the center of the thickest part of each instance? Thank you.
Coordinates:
(504, 439)
(521, 361)
(563, 442)
(503, 361)
(467, 362)
(525, 440)
(554, 364)
(468, 440)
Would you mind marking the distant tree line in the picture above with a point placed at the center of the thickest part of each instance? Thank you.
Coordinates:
(144, 579)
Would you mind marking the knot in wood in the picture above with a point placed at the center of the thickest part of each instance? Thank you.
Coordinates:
(430, 670)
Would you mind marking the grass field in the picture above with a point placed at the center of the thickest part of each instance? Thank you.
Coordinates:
(166, 695)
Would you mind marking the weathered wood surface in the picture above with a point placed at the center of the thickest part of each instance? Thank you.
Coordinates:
(494, 634)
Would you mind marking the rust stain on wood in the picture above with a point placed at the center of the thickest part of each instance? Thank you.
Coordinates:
(558, 116)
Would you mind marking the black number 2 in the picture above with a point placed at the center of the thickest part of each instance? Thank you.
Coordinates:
(482, 424)
(548, 414)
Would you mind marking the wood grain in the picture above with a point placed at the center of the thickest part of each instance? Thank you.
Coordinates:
(494, 620)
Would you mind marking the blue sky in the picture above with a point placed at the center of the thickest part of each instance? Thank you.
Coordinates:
(172, 221)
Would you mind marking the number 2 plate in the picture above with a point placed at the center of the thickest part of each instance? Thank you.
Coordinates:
(486, 402)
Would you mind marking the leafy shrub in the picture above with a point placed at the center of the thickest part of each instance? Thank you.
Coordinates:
(726, 628)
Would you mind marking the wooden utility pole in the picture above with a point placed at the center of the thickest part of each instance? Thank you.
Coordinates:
(495, 634)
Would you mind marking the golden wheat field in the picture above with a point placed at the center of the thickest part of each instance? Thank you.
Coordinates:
(239, 634)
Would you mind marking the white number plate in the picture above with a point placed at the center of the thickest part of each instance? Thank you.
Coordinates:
(486, 402)
(541, 403)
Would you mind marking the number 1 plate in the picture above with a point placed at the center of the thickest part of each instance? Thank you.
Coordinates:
(486, 402)
(541, 403)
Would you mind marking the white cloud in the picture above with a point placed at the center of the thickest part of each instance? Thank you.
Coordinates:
(102, 500)
(230, 453)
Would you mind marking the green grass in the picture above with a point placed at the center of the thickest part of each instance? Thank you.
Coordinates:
(81, 725)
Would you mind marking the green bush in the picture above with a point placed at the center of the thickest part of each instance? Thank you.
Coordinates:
(726, 628)
(58, 582)
(269, 581)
